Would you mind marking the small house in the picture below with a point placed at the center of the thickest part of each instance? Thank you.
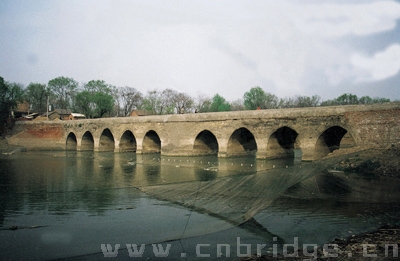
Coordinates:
(136, 113)
(22, 110)
(76, 116)
(61, 114)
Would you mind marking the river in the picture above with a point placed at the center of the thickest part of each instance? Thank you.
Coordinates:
(89, 205)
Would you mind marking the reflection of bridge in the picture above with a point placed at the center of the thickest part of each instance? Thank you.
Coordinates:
(312, 132)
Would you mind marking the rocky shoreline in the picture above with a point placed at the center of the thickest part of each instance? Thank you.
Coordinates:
(374, 162)
(381, 244)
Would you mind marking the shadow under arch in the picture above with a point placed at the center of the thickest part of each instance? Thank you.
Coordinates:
(331, 139)
(71, 143)
(87, 141)
(151, 142)
(281, 143)
(128, 142)
(205, 144)
(106, 141)
(241, 142)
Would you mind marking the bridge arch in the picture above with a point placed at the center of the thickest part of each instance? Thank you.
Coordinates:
(128, 142)
(331, 139)
(87, 142)
(282, 142)
(241, 142)
(205, 143)
(107, 142)
(151, 142)
(71, 141)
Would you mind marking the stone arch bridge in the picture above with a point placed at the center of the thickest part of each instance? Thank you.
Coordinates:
(310, 133)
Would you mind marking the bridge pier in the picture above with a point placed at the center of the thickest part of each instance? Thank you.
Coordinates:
(116, 145)
(223, 148)
(262, 154)
(307, 154)
(139, 148)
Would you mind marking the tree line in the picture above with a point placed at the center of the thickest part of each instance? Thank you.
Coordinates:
(97, 99)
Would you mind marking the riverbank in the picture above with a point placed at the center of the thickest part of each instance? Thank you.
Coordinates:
(373, 162)
(7, 148)
(381, 244)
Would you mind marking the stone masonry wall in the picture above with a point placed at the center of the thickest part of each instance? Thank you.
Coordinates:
(376, 125)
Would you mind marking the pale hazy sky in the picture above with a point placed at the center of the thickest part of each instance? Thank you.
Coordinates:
(206, 47)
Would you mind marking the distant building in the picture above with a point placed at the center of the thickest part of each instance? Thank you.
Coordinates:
(136, 113)
(76, 116)
(22, 110)
(61, 114)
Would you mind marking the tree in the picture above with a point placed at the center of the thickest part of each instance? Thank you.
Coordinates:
(167, 104)
(36, 94)
(380, 100)
(128, 99)
(237, 105)
(152, 102)
(347, 98)
(103, 104)
(84, 104)
(218, 103)
(96, 99)
(10, 95)
(255, 98)
(95, 86)
(300, 101)
(203, 103)
(182, 100)
(366, 100)
(271, 101)
(305, 101)
(63, 89)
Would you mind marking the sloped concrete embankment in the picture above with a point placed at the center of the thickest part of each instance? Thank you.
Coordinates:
(37, 136)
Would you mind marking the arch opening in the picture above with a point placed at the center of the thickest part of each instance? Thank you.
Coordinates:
(106, 141)
(242, 142)
(71, 141)
(332, 139)
(127, 142)
(87, 141)
(281, 143)
(205, 144)
(151, 143)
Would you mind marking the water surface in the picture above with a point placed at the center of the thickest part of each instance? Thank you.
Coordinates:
(67, 204)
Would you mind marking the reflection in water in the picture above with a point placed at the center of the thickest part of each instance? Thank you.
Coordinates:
(98, 197)
(152, 173)
(206, 174)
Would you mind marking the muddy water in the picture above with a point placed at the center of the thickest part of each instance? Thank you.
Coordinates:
(75, 204)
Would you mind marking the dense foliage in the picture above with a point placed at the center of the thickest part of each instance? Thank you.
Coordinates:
(97, 99)
(10, 95)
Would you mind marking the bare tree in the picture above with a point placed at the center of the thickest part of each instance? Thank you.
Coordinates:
(167, 101)
(203, 103)
(156, 102)
(183, 102)
(128, 99)
(237, 105)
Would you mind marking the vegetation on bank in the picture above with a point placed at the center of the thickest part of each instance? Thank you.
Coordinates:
(98, 99)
